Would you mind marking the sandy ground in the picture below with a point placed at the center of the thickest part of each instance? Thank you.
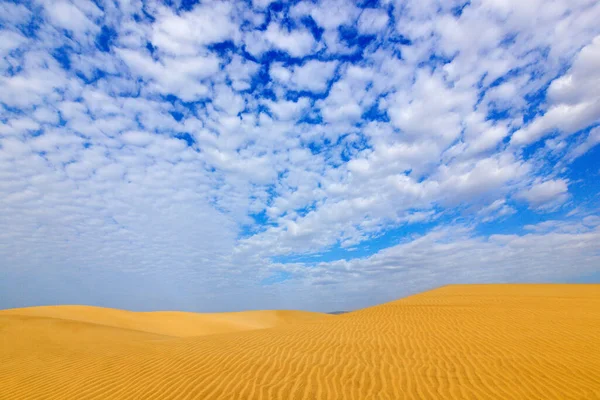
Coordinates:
(455, 342)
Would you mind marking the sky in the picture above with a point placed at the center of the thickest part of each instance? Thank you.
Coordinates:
(329, 155)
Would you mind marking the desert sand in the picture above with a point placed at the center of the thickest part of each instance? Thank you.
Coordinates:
(170, 323)
(455, 342)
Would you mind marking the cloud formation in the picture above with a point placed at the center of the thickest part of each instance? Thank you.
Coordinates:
(222, 155)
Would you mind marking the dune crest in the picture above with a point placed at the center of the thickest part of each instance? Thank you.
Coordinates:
(455, 342)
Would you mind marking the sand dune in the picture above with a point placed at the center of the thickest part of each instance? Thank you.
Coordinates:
(171, 323)
(462, 342)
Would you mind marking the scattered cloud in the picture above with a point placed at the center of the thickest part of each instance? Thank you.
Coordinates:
(573, 98)
(372, 21)
(183, 155)
(547, 194)
(295, 42)
(313, 76)
(187, 33)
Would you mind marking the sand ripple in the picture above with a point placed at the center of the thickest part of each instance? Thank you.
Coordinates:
(460, 341)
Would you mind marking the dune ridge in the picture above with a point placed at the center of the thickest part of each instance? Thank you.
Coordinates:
(459, 341)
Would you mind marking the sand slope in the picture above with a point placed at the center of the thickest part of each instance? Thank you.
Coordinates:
(170, 323)
(462, 342)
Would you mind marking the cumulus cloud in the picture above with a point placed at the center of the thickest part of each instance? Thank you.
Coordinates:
(296, 42)
(241, 71)
(547, 194)
(67, 15)
(10, 40)
(312, 76)
(372, 21)
(187, 33)
(329, 14)
(180, 76)
(181, 156)
(573, 98)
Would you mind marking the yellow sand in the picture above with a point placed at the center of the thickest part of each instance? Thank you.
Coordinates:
(170, 323)
(456, 342)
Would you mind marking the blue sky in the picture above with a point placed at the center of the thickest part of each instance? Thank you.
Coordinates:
(331, 155)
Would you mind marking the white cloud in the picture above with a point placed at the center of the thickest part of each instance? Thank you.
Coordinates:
(574, 100)
(34, 85)
(188, 33)
(297, 43)
(137, 138)
(241, 71)
(547, 194)
(67, 15)
(495, 210)
(261, 4)
(431, 108)
(288, 110)
(329, 14)
(349, 96)
(14, 13)
(181, 76)
(227, 100)
(46, 115)
(593, 139)
(455, 255)
(10, 41)
(372, 20)
(313, 75)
